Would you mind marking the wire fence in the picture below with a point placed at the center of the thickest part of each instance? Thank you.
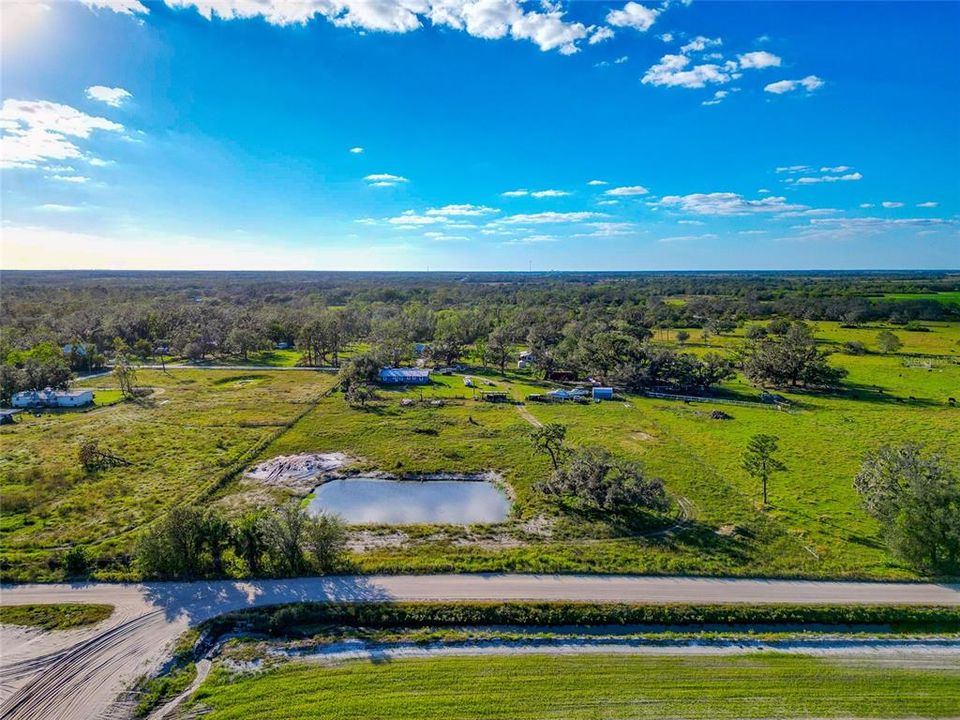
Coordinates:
(783, 407)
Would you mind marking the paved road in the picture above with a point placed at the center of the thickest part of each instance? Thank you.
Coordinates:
(78, 674)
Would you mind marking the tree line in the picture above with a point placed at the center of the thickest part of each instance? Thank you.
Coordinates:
(191, 542)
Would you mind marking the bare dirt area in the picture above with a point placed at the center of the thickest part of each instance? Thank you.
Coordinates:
(298, 473)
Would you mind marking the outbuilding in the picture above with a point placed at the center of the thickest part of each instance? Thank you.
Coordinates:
(404, 376)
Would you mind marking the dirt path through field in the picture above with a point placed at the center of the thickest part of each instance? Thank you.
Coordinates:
(528, 416)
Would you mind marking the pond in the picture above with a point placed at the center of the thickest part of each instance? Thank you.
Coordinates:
(365, 500)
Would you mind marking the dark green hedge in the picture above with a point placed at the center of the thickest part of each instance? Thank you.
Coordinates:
(300, 617)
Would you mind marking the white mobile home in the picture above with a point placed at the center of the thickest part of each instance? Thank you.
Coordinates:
(50, 398)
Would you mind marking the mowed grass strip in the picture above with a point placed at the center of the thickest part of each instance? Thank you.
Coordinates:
(60, 616)
(574, 687)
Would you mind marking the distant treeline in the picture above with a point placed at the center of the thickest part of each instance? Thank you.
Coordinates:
(583, 322)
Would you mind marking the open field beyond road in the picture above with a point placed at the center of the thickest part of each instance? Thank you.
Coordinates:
(580, 687)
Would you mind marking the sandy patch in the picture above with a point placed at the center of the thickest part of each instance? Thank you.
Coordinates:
(642, 436)
(297, 472)
(364, 541)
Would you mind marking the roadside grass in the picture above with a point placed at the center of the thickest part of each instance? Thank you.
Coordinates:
(585, 686)
(60, 616)
(156, 691)
(182, 440)
(306, 618)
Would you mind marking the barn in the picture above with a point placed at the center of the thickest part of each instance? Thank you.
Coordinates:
(404, 376)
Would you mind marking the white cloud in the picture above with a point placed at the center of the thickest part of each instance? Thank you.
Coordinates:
(549, 193)
(601, 34)
(726, 203)
(608, 229)
(700, 43)
(34, 132)
(836, 169)
(666, 37)
(866, 205)
(443, 237)
(758, 60)
(548, 218)
(849, 177)
(112, 96)
(891, 204)
(621, 60)
(522, 192)
(763, 191)
(793, 169)
(56, 208)
(690, 222)
(410, 218)
(927, 204)
(688, 238)
(356, 150)
(673, 71)
(76, 179)
(608, 202)
(385, 180)
(487, 19)
(531, 240)
(627, 191)
(462, 210)
(125, 7)
(856, 228)
(809, 83)
(717, 98)
(598, 182)
(633, 15)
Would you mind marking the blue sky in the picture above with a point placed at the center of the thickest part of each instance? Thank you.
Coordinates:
(479, 134)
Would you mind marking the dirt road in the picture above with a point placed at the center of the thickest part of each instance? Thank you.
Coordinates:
(79, 674)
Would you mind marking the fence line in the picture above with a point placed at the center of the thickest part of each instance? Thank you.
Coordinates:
(699, 398)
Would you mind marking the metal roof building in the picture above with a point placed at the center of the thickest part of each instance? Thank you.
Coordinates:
(404, 376)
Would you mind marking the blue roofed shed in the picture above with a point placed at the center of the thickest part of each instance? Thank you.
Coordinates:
(404, 376)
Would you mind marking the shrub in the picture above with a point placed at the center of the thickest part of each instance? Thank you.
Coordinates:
(598, 479)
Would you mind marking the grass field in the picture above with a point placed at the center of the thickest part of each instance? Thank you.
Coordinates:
(815, 527)
(581, 687)
(183, 440)
(62, 616)
(951, 298)
(200, 427)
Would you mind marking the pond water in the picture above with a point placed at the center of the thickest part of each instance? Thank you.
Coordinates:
(361, 500)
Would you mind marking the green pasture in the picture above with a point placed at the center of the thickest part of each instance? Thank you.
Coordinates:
(181, 441)
(199, 428)
(584, 687)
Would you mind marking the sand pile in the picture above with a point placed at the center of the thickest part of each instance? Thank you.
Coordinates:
(297, 472)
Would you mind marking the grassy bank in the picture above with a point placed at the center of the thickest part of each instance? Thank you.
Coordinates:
(61, 616)
(758, 686)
